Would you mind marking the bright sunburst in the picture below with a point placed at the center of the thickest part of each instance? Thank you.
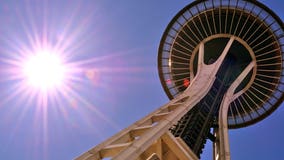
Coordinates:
(56, 75)
(44, 70)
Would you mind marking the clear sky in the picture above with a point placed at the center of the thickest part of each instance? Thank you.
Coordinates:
(111, 49)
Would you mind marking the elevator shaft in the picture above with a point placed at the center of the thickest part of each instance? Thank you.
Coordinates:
(195, 126)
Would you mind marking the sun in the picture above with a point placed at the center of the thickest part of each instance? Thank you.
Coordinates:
(44, 70)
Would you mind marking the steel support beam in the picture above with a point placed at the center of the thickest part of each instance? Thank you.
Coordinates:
(221, 146)
(149, 137)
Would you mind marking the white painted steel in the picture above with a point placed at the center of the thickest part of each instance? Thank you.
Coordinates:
(155, 126)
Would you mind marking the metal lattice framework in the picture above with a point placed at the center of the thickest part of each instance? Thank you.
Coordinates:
(260, 33)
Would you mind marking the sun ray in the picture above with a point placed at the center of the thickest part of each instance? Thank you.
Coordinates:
(90, 107)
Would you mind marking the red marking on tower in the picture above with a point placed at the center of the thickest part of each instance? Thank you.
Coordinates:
(186, 82)
(169, 81)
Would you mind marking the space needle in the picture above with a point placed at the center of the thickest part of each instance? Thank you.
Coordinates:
(221, 65)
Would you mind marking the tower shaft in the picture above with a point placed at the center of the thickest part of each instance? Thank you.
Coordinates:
(194, 127)
(149, 138)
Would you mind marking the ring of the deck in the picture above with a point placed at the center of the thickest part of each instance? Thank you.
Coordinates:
(248, 20)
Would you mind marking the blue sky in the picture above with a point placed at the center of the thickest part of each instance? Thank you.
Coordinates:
(112, 48)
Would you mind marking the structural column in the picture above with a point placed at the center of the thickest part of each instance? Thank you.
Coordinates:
(221, 146)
